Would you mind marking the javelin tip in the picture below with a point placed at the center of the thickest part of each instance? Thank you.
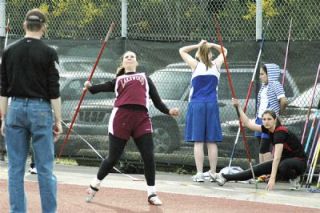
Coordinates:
(112, 26)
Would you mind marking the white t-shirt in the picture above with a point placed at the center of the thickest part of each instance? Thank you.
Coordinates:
(263, 102)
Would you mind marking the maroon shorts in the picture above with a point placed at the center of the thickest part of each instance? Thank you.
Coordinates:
(124, 123)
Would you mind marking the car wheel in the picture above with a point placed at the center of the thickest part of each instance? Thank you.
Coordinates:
(165, 136)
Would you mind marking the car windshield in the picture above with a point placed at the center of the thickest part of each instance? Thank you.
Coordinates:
(70, 66)
(241, 82)
(171, 85)
(304, 100)
(72, 89)
(287, 88)
(62, 81)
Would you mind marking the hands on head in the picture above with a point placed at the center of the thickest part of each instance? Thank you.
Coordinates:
(202, 42)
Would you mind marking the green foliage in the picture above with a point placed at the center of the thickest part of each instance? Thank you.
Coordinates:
(168, 19)
(66, 161)
(268, 7)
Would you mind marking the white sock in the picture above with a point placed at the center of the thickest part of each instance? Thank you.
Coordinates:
(96, 183)
(151, 190)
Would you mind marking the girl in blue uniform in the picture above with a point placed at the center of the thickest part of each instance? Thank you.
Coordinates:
(203, 121)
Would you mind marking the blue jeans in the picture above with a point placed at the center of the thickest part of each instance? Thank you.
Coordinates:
(30, 119)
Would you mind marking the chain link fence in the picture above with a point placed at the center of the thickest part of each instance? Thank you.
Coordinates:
(155, 30)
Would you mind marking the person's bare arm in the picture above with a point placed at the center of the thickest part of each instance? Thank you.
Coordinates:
(184, 53)
(219, 60)
(283, 105)
(56, 106)
(3, 112)
(218, 48)
(275, 165)
(244, 118)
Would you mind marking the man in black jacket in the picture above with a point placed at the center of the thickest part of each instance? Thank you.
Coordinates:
(30, 78)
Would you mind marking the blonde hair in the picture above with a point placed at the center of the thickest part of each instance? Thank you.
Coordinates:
(203, 54)
(121, 70)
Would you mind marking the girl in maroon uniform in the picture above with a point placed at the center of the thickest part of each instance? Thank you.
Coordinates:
(129, 118)
(289, 160)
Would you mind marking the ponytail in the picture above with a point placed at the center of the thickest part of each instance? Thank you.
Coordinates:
(120, 71)
(204, 52)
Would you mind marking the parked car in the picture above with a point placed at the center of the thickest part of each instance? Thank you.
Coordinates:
(173, 85)
(85, 64)
(71, 85)
(296, 113)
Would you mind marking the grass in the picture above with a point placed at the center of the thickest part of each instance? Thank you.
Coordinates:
(66, 161)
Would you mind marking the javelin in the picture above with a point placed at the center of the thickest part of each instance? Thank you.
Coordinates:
(7, 33)
(306, 147)
(233, 93)
(311, 102)
(314, 142)
(249, 92)
(313, 164)
(287, 51)
(104, 44)
(313, 147)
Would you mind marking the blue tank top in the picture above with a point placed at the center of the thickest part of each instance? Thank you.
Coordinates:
(204, 83)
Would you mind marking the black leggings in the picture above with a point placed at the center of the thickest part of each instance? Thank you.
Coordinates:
(289, 168)
(116, 147)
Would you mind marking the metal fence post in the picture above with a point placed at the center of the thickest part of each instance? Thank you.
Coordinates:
(124, 24)
(124, 18)
(258, 20)
(2, 24)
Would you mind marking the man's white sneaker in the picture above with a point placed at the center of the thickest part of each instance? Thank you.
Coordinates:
(33, 170)
(198, 177)
(153, 199)
(220, 179)
(213, 177)
(295, 183)
(93, 189)
(206, 175)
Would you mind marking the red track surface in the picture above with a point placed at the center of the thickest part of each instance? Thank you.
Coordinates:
(71, 200)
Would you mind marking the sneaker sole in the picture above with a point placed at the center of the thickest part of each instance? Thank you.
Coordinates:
(91, 193)
(295, 188)
(90, 197)
(154, 204)
(198, 181)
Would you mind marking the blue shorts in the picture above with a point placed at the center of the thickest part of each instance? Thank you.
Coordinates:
(260, 134)
(203, 123)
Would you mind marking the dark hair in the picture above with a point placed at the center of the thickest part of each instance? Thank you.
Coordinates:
(264, 67)
(274, 115)
(35, 20)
